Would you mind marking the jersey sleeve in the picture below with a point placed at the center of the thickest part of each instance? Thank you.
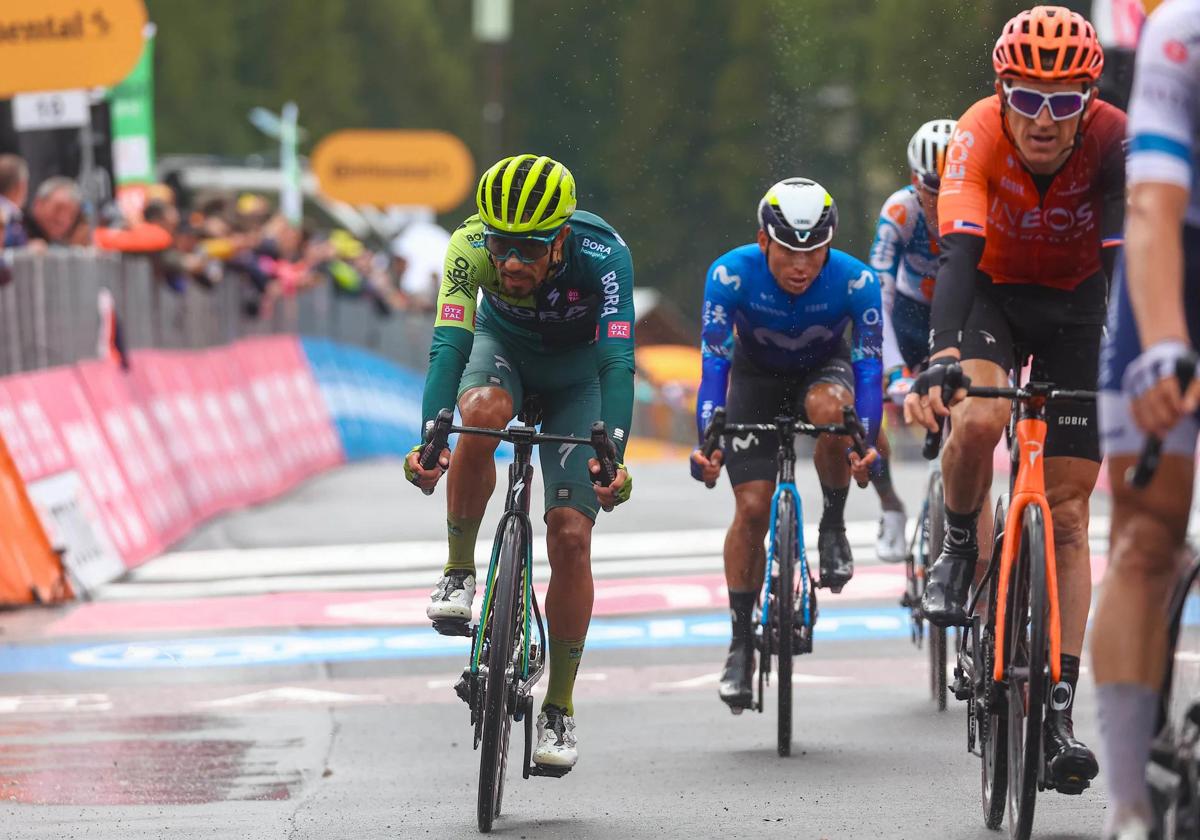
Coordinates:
(615, 345)
(963, 199)
(885, 261)
(1163, 106)
(1112, 182)
(866, 349)
(454, 326)
(721, 290)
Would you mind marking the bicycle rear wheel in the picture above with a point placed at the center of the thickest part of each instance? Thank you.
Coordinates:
(1027, 640)
(784, 613)
(937, 635)
(1174, 771)
(502, 637)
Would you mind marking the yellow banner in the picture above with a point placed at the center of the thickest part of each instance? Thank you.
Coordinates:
(382, 168)
(63, 44)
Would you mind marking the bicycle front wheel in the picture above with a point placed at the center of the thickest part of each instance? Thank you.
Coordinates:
(1027, 641)
(1174, 768)
(784, 614)
(989, 707)
(937, 635)
(502, 616)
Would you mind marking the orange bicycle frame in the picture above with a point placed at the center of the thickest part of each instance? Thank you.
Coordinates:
(1028, 489)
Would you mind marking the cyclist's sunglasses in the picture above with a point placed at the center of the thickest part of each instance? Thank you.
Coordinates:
(1029, 103)
(528, 249)
(931, 182)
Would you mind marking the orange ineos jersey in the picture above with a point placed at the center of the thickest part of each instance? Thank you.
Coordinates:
(1053, 240)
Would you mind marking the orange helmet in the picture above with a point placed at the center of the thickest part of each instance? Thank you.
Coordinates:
(1049, 44)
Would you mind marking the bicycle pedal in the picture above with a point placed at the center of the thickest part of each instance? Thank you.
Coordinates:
(549, 772)
(452, 626)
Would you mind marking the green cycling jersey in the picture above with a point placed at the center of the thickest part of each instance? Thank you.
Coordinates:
(587, 300)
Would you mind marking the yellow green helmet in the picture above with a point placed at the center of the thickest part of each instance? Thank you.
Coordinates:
(526, 194)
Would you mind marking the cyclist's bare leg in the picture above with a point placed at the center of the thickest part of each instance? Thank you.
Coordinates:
(1069, 484)
(1129, 632)
(823, 404)
(569, 599)
(472, 476)
(745, 557)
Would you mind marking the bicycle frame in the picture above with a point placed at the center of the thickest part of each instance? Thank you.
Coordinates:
(786, 483)
(1028, 488)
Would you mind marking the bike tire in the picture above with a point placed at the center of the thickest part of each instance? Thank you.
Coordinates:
(992, 718)
(1173, 754)
(502, 636)
(786, 535)
(937, 635)
(1027, 642)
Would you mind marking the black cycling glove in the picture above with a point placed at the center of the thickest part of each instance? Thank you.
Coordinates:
(944, 372)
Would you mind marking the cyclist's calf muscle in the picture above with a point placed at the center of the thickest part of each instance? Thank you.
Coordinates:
(569, 595)
(1148, 529)
(1069, 485)
(745, 557)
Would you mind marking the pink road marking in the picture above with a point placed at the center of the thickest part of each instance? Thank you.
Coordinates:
(626, 596)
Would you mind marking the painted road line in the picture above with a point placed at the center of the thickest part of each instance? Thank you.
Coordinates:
(315, 646)
(622, 596)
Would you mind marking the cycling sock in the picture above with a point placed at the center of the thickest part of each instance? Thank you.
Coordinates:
(960, 533)
(1127, 713)
(1062, 693)
(883, 486)
(833, 515)
(741, 610)
(461, 534)
(564, 665)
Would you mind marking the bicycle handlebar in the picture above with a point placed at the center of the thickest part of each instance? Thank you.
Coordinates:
(438, 438)
(1139, 475)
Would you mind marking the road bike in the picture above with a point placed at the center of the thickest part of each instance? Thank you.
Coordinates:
(1010, 656)
(508, 644)
(783, 629)
(923, 548)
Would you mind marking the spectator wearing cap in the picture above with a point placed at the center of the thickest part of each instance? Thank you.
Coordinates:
(14, 190)
(56, 212)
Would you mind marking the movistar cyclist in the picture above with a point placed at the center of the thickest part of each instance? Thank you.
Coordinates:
(1032, 197)
(557, 321)
(775, 317)
(1154, 320)
(905, 255)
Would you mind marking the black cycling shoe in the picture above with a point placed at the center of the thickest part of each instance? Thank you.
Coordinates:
(736, 689)
(948, 587)
(1070, 765)
(837, 563)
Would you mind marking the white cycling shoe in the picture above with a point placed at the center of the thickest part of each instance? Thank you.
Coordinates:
(891, 546)
(556, 744)
(451, 598)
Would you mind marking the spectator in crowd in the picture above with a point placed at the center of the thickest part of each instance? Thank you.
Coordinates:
(56, 214)
(14, 191)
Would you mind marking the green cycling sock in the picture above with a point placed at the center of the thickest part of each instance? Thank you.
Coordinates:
(461, 535)
(564, 665)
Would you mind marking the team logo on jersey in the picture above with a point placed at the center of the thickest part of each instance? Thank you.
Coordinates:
(618, 329)
(897, 214)
(814, 334)
(721, 273)
(1175, 51)
(572, 295)
(862, 280)
(450, 312)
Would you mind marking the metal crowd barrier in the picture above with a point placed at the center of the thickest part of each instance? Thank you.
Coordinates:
(50, 315)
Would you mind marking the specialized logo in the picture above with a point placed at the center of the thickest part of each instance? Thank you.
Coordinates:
(502, 363)
(552, 296)
(618, 329)
(740, 443)
(565, 451)
(722, 275)
(1060, 696)
(450, 312)
(517, 488)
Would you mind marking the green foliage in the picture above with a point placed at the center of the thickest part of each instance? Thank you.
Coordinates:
(674, 116)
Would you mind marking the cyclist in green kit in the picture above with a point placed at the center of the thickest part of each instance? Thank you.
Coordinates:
(556, 320)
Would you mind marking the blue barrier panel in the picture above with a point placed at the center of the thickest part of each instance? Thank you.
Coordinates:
(375, 405)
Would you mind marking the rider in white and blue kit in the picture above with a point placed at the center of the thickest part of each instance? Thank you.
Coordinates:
(776, 314)
(905, 256)
(1154, 321)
